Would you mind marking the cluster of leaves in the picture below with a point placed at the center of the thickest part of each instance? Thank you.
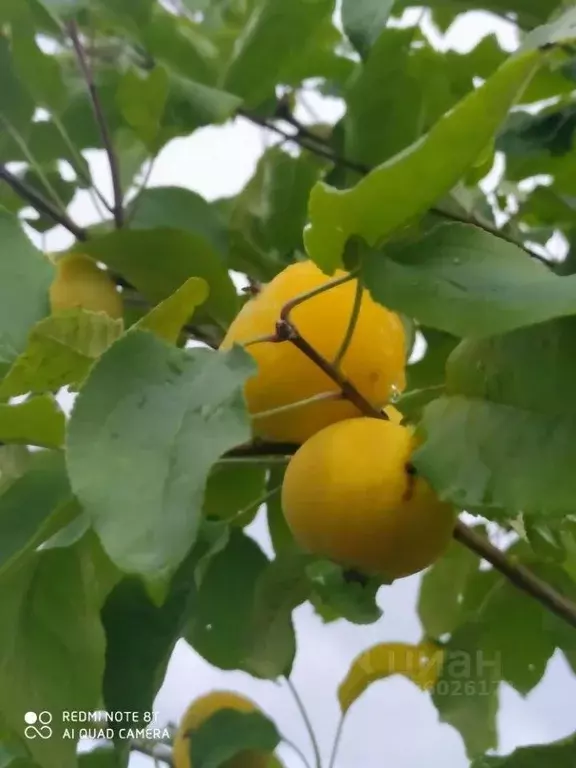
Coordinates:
(140, 521)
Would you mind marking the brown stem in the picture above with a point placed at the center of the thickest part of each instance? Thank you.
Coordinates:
(118, 209)
(306, 139)
(518, 575)
(39, 203)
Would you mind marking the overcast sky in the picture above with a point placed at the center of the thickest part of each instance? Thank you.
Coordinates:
(394, 724)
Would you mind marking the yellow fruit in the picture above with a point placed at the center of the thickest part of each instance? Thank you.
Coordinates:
(374, 361)
(199, 711)
(348, 496)
(79, 283)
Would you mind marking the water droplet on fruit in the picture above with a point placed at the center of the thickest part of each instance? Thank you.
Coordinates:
(394, 394)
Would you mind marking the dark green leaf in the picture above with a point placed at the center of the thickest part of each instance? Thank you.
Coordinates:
(38, 421)
(140, 637)
(39, 71)
(340, 593)
(219, 629)
(14, 460)
(282, 539)
(363, 20)
(275, 33)
(31, 508)
(228, 733)
(505, 436)
(179, 208)
(25, 277)
(143, 419)
(441, 590)
(430, 371)
(467, 282)
(16, 106)
(157, 261)
(235, 492)
(560, 754)
(281, 588)
(51, 645)
(466, 693)
(101, 757)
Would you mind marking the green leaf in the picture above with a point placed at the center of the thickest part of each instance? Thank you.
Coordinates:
(157, 261)
(228, 733)
(142, 100)
(275, 33)
(143, 419)
(140, 637)
(60, 351)
(51, 646)
(466, 693)
(339, 593)
(363, 20)
(167, 319)
(132, 154)
(25, 277)
(430, 371)
(16, 106)
(504, 437)
(270, 212)
(561, 30)
(234, 493)
(14, 460)
(219, 629)
(385, 86)
(467, 282)
(441, 590)
(179, 208)
(40, 494)
(282, 539)
(559, 754)
(38, 421)
(39, 71)
(281, 588)
(408, 184)
(101, 757)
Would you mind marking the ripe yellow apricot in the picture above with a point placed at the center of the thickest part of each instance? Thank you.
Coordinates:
(348, 495)
(199, 711)
(79, 283)
(374, 361)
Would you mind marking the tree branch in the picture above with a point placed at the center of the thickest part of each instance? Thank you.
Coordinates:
(118, 209)
(40, 204)
(306, 139)
(517, 574)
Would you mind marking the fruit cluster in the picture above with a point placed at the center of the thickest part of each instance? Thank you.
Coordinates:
(350, 493)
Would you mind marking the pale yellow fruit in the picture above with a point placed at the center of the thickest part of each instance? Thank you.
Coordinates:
(79, 283)
(350, 496)
(374, 361)
(199, 711)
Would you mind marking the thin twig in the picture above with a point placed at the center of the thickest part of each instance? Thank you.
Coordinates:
(307, 140)
(518, 575)
(337, 740)
(118, 210)
(40, 204)
(354, 315)
(307, 722)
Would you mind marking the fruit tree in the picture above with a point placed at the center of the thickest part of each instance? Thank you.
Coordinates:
(352, 372)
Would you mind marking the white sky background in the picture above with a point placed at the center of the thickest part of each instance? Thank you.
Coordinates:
(394, 724)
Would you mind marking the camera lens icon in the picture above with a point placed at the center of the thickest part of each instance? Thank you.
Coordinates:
(38, 725)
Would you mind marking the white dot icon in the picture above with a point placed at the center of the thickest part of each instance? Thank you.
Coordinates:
(30, 718)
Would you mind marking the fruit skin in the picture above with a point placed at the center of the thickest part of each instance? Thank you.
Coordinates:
(374, 361)
(199, 711)
(80, 283)
(347, 496)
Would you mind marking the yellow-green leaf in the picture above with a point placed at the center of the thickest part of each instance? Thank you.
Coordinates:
(409, 183)
(38, 421)
(168, 317)
(420, 663)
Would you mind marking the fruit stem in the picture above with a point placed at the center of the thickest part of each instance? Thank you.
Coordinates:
(337, 740)
(307, 721)
(298, 404)
(351, 326)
